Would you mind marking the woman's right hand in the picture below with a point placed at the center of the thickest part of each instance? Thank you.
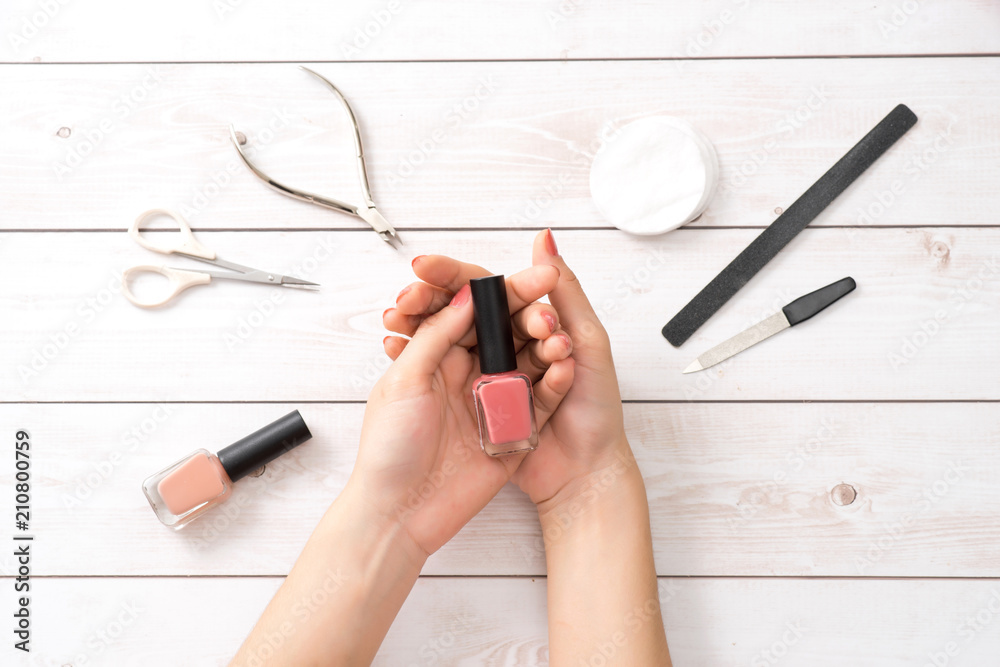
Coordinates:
(584, 441)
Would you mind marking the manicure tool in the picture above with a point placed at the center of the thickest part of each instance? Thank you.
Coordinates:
(366, 212)
(188, 246)
(797, 311)
(763, 248)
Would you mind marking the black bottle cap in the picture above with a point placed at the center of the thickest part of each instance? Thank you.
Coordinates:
(261, 447)
(493, 329)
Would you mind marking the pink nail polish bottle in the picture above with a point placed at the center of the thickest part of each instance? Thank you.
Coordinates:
(187, 489)
(502, 394)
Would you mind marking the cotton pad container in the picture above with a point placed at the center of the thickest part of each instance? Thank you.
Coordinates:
(653, 175)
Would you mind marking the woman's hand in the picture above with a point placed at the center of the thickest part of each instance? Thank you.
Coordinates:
(590, 496)
(420, 462)
(586, 435)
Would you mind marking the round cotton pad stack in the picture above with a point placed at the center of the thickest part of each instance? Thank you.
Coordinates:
(654, 175)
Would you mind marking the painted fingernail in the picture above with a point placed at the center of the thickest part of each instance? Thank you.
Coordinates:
(385, 312)
(417, 259)
(566, 341)
(402, 292)
(461, 297)
(550, 243)
(550, 319)
(384, 340)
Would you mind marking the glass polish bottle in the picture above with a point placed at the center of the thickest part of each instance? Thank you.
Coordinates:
(187, 489)
(502, 395)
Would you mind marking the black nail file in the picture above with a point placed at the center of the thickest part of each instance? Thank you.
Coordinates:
(805, 209)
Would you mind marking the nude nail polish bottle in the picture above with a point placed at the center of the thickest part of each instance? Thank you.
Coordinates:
(502, 394)
(187, 489)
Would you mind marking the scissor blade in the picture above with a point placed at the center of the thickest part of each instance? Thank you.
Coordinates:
(289, 281)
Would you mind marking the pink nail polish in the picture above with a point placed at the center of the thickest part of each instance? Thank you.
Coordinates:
(187, 489)
(461, 297)
(502, 394)
(550, 243)
(550, 320)
(403, 292)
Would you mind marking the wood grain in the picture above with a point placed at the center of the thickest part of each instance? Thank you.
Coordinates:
(488, 145)
(921, 325)
(734, 489)
(480, 121)
(500, 622)
(231, 30)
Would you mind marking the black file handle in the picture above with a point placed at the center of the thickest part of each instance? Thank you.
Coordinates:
(806, 306)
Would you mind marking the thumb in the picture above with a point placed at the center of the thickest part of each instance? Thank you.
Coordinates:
(437, 335)
(576, 314)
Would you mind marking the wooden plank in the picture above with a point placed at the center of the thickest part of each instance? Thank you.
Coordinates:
(231, 30)
(922, 324)
(501, 621)
(488, 144)
(735, 489)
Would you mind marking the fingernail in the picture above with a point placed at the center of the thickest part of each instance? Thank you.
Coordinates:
(461, 297)
(566, 341)
(550, 319)
(402, 292)
(385, 312)
(384, 340)
(417, 259)
(550, 243)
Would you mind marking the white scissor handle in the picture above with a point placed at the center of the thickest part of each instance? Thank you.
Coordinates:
(188, 244)
(179, 281)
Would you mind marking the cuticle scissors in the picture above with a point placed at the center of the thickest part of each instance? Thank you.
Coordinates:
(366, 212)
(181, 279)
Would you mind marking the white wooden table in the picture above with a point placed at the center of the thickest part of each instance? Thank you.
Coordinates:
(480, 120)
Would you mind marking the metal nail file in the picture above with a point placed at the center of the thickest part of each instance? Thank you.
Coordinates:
(787, 225)
(797, 311)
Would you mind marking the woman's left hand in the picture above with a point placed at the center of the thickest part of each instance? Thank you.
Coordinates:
(420, 461)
